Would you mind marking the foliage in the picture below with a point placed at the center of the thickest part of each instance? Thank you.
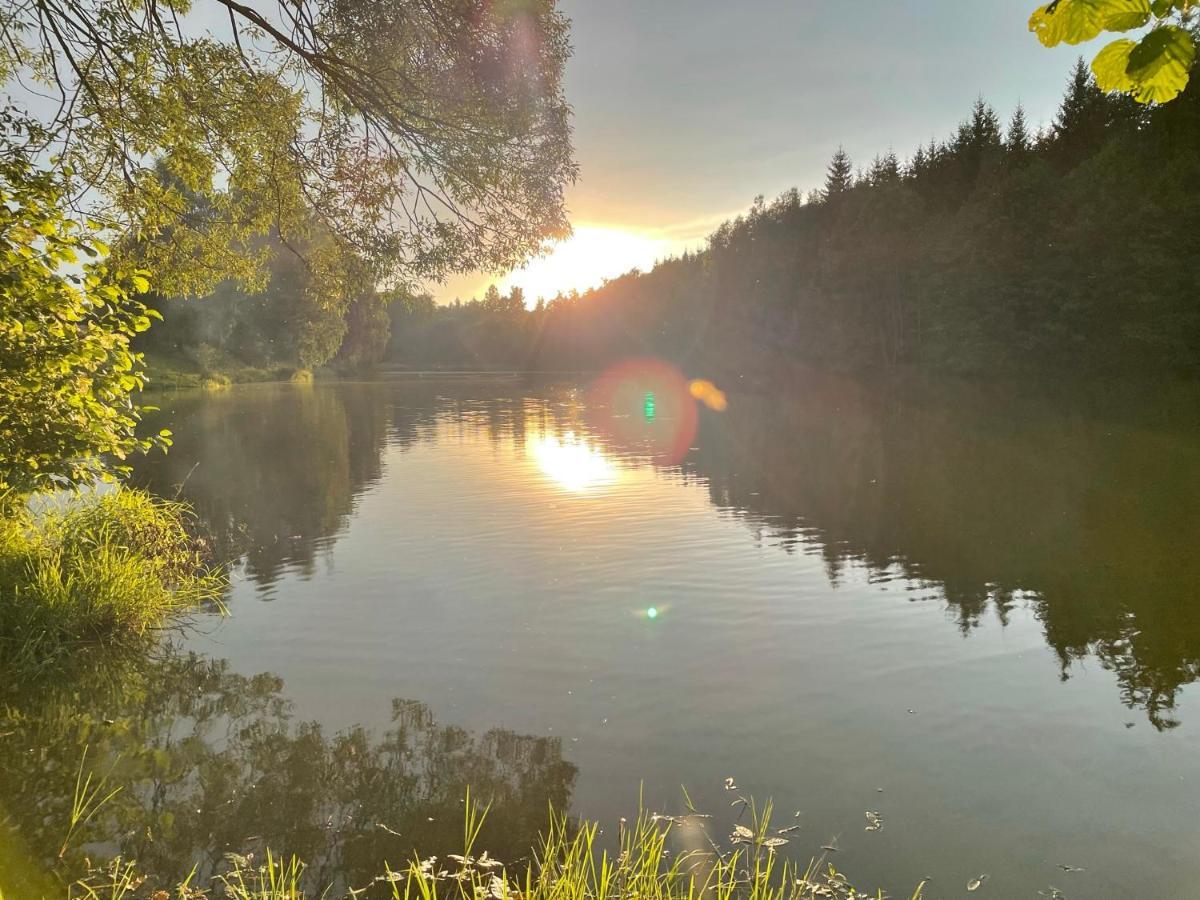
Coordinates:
(423, 137)
(319, 302)
(990, 251)
(106, 568)
(1153, 69)
(496, 332)
(67, 373)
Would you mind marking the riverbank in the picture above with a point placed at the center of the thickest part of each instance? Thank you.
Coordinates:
(100, 568)
(178, 372)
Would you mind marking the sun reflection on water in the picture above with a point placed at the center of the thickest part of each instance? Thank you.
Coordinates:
(571, 462)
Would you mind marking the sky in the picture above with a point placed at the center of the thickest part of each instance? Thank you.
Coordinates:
(684, 110)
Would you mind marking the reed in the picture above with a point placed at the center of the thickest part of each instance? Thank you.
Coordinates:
(567, 864)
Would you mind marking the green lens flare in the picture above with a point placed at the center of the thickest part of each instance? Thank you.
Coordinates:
(652, 612)
(648, 406)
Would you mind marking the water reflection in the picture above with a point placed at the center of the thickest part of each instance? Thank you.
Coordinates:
(211, 761)
(572, 462)
(1086, 510)
(273, 472)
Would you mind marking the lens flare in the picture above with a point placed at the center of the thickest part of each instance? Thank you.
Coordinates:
(571, 462)
(643, 405)
(709, 394)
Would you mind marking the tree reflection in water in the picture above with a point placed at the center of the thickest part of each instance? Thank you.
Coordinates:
(211, 761)
(1084, 505)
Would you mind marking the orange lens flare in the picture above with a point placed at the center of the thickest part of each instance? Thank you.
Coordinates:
(709, 394)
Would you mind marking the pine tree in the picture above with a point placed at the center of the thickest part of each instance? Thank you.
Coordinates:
(1082, 117)
(1081, 102)
(892, 164)
(918, 165)
(982, 132)
(884, 169)
(1018, 141)
(839, 177)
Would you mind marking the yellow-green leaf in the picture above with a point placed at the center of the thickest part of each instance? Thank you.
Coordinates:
(1110, 66)
(1160, 63)
(1069, 21)
(1124, 15)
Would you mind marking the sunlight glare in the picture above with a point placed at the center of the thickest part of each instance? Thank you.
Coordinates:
(571, 462)
(584, 260)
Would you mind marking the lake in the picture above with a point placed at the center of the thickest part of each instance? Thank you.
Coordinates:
(975, 611)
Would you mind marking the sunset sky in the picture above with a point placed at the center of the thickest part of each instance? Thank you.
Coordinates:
(686, 109)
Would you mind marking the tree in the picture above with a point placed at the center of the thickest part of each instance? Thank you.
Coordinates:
(67, 373)
(884, 170)
(492, 299)
(426, 136)
(1018, 141)
(839, 176)
(1082, 118)
(1154, 69)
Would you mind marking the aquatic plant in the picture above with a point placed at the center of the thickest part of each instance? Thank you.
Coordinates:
(568, 864)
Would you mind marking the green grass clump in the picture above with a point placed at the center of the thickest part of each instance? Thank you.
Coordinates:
(96, 568)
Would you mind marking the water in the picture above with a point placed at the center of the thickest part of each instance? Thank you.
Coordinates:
(975, 612)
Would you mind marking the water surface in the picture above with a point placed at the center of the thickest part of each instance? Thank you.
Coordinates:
(972, 611)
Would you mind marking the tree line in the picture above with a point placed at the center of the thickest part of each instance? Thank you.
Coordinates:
(997, 248)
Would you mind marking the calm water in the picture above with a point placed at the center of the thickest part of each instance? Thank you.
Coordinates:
(974, 612)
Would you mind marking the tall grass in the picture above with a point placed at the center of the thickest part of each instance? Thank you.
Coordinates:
(568, 864)
(96, 568)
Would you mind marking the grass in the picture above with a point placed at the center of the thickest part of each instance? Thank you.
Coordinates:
(105, 568)
(86, 801)
(568, 864)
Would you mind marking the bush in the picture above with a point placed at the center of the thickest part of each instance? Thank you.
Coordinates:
(96, 568)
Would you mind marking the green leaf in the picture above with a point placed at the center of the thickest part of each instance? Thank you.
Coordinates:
(1163, 8)
(1160, 63)
(1110, 67)
(1077, 21)
(1124, 15)
(1069, 21)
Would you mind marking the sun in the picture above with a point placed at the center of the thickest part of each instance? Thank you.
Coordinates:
(590, 255)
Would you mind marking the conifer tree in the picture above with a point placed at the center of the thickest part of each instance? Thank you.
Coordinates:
(1082, 117)
(1018, 142)
(839, 177)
